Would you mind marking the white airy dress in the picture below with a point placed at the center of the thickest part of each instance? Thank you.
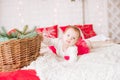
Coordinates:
(57, 43)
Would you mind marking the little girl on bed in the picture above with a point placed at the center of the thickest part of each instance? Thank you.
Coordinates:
(65, 46)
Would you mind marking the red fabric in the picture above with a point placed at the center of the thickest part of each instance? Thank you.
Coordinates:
(50, 31)
(53, 49)
(82, 47)
(66, 57)
(19, 75)
(88, 31)
(63, 27)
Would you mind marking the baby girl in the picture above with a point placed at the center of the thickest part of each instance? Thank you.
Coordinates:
(65, 46)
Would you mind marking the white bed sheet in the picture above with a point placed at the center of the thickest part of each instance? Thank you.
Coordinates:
(102, 63)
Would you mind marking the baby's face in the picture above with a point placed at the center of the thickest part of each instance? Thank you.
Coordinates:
(70, 37)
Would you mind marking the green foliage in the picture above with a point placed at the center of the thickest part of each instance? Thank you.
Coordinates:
(17, 34)
(3, 32)
(30, 35)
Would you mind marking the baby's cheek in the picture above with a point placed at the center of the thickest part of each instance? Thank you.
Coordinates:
(73, 42)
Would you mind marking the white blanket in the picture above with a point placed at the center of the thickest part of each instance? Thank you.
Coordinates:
(101, 63)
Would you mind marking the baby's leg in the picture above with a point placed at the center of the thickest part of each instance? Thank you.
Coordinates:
(95, 44)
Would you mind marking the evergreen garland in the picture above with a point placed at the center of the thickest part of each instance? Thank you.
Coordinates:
(17, 34)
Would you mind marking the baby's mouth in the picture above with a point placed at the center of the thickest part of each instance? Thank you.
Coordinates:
(68, 41)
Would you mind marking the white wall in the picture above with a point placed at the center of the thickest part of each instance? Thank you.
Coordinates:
(17, 13)
(96, 13)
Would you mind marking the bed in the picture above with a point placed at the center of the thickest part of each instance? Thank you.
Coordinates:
(102, 63)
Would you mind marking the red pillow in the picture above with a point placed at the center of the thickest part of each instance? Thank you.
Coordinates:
(19, 75)
(82, 46)
(63, 28)
(88, 31)
(50, 31)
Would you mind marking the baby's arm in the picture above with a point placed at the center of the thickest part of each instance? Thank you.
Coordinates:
(59, 58)
(50, 41)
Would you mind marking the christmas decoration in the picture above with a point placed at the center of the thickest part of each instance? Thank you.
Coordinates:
(17, 34)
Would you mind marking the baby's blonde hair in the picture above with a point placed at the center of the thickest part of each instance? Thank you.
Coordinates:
(75, 28)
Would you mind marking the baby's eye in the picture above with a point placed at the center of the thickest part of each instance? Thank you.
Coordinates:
(73, 37)
(68, 35)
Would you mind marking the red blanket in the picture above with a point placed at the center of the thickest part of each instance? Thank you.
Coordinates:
(19, 75)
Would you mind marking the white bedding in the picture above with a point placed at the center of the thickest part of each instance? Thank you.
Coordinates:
(101, 63)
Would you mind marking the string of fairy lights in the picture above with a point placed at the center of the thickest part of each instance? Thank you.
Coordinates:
(20, 9)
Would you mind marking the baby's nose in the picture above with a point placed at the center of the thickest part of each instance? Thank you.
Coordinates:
(70, 38)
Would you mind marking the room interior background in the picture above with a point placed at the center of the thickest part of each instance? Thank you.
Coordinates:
(103, 14)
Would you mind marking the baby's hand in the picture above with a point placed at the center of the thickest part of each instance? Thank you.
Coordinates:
(58, 58)
(43, 37)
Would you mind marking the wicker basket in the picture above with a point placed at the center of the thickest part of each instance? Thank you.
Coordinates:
(15, 54)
